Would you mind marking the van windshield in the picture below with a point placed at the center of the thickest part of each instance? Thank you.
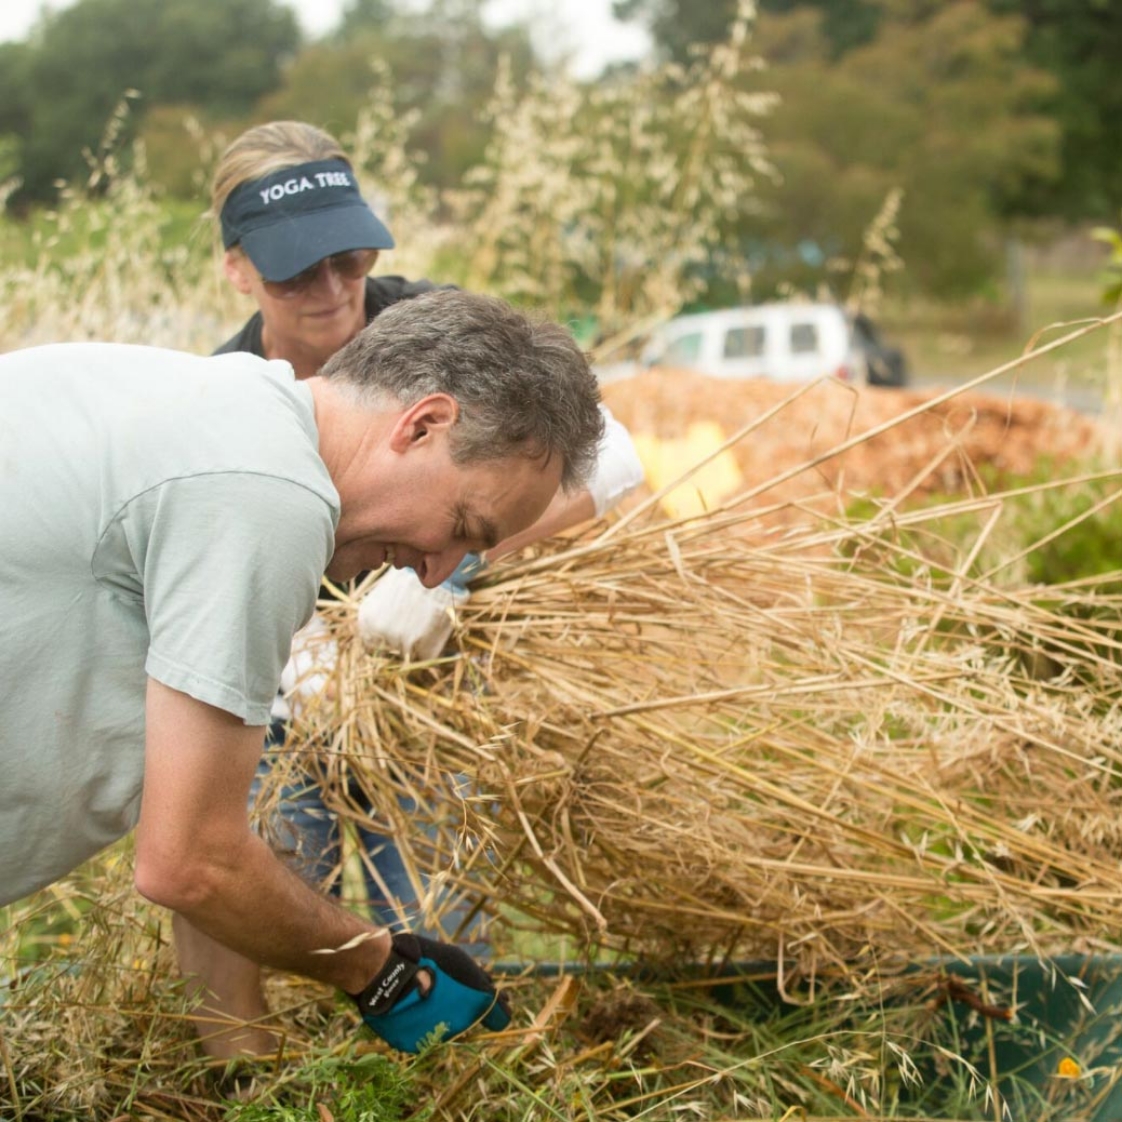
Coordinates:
(686, 348)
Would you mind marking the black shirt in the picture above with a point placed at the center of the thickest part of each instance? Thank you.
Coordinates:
(381, 292)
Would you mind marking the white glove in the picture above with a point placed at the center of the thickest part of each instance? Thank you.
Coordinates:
(310, 666)
(400, 614)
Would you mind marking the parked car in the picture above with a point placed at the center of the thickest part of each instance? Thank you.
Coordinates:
(784, 342)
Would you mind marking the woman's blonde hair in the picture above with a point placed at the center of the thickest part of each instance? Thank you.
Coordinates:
(268, 148)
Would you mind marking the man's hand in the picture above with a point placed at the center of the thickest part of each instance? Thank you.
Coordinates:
(428, 986)
(400, 614)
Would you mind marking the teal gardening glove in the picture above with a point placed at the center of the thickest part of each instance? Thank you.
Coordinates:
(460, 994)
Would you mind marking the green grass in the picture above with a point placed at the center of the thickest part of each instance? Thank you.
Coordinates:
(22, 241)
(358, 1088)
(950, 344)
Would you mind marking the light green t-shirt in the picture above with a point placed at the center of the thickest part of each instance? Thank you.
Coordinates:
(161, 515)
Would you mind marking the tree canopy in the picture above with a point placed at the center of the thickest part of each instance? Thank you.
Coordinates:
(940, 106)
(978, 116)
(1078, 42)
(59, 89)
(442, 67)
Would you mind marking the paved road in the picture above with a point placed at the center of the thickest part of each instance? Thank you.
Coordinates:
(1082, 395)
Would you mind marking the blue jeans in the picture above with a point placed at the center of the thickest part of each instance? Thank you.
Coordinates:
(306, 828)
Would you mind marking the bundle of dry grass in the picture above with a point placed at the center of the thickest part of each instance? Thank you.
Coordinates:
(833, 743)
(682, 748)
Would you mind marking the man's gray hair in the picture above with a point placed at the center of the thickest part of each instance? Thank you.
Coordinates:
(523, 386)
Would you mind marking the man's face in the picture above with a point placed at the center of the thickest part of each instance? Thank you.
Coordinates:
(437, 511)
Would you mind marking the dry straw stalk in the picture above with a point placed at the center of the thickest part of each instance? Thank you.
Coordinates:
(707, 737)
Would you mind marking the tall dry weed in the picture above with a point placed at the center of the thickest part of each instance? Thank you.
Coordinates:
(99, 268)
(616, 196)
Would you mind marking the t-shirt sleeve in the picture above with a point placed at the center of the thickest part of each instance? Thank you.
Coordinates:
(618, 467)
(230, 566)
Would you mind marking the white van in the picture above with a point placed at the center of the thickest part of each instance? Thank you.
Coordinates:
(784, 342)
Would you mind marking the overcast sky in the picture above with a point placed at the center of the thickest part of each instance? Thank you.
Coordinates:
(583, 30)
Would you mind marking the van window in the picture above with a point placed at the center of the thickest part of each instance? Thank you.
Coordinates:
(744, 342)
(804, 338)
(684, 349)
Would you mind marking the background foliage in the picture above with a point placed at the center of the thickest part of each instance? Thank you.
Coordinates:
(991, 119)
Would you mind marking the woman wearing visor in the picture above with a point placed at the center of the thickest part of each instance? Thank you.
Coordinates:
(300, 239)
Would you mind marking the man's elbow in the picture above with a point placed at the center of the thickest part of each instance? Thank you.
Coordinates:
(184, 886)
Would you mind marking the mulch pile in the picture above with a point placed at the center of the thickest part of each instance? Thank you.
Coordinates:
(941, 449)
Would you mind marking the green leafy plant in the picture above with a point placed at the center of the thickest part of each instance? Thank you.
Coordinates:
(354, 1087)
(1112, 273)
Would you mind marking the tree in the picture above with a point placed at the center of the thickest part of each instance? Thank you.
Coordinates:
(680, 26)
(15, 109)
(442, 66)
(940, 104)
(364, 15)
(328, 83)
(220, 55)
(1080, 42)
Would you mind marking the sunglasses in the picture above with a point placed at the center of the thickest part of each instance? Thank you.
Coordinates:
(349, 265)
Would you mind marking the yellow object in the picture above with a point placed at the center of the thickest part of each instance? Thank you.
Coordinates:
(1069, 1069)
(664, 461)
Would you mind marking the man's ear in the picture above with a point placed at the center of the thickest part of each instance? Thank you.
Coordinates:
(424, 420)
(238, 270)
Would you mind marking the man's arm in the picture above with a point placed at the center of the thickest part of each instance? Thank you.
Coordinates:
(563, 512)
(196, 854)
